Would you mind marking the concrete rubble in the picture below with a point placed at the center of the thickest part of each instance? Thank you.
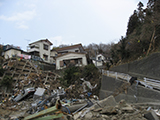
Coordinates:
(39, 95)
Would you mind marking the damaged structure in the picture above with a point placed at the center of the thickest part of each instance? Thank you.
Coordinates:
(71, 55)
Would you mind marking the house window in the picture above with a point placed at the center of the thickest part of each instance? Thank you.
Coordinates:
(76, 50)
(99, 58)
(45, 47)
(45, 57)
(61, 63)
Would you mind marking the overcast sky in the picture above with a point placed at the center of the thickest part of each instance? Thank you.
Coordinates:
(64, 21)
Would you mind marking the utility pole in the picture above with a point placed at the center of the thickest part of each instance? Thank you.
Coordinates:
(96, 56)
(27, 42)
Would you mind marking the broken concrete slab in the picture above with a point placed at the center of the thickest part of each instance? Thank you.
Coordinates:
(109, 101)
(151, 115)
(109, 110)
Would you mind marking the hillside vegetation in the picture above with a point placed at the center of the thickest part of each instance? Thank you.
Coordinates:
(142, 35)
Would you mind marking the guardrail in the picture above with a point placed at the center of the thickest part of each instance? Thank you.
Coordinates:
(116, 75)
(152, 83)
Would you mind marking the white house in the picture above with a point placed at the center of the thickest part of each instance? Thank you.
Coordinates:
(99, 60)
(41, 48)
(71, 58)
(9, 53)
(74, 55)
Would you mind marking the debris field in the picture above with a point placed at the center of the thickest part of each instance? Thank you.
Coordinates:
(38, 95)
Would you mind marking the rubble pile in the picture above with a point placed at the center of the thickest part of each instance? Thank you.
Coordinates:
(25, 74)
(38, 94)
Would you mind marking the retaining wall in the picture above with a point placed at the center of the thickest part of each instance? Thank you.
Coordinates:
(134, 94)
(147, 67)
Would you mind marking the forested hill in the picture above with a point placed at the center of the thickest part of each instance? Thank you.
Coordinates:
(142, 35)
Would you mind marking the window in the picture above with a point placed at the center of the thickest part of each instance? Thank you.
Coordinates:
(76, 50)
(61, 63)
(45, 57)
(99, 58)
(45, 47)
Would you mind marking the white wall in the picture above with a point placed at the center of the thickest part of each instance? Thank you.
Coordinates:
(70, 56)
(43, 51)
(9, 53)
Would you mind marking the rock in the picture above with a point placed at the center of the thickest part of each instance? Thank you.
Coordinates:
(109, 101)
(114, 118)
(122, 103)
(128, 109)
(106, 117)
(98, 109)
(88, 115)
(109, 110)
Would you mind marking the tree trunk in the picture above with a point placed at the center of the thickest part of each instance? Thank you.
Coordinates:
(152, 39)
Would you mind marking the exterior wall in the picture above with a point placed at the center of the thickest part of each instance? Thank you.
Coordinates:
(99, 63)
(70, 50)
(41, 50)
(53, 53)
(100, 55)
(69, 57)
(9, 53)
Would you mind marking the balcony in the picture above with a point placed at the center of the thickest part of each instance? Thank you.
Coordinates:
(33, 50)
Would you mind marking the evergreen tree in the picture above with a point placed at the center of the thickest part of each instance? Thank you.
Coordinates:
(133, 23)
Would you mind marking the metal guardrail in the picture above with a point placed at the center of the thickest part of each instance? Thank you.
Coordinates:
(152, 83)
(116, 75)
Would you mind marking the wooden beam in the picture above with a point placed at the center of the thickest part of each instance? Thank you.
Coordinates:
(50, 117)
(41, 113)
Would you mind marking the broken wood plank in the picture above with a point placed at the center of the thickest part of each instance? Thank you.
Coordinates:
(49, 117)
(41, 113)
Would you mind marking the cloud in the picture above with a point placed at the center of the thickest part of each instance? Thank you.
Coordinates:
(22, 25)
(20, 18)
(27, 15)
(57, 40)
(1, 4)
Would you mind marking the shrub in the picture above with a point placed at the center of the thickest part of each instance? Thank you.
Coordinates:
(7, 81)
(1, 71)
(72, 74)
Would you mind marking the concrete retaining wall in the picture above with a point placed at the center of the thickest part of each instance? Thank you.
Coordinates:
(147, 67)
(109, 85)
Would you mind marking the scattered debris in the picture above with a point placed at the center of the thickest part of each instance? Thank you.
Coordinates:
(39, 95)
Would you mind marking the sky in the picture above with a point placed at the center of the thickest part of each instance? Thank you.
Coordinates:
(66, 22)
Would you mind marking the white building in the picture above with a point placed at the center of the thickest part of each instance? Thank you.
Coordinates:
(40, 48)
(14, 51)
(99, 60)
(71, 55)
(76, 59)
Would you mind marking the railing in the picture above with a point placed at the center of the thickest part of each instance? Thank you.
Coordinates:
(116, 75)
(152, 83)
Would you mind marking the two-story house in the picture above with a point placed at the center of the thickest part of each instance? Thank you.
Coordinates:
(40, 48)
(71, 55)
